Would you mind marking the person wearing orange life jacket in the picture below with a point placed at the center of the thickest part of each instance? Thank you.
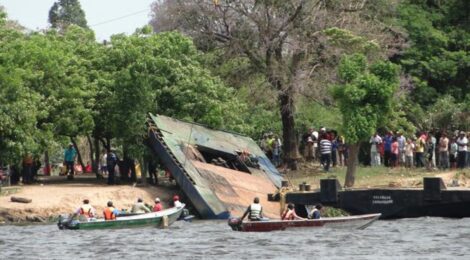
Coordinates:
(86, 210)
(289, 213)
(110, 212)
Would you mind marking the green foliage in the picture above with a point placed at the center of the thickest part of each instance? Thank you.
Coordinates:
(365, 97)
(64, 13)
(312, 114)
(45, 90)
(342, 38)
(439, 56)
(160, 73)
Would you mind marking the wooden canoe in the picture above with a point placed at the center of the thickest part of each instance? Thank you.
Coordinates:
(155, 219)
(352, 222)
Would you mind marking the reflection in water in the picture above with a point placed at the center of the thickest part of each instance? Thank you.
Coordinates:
(401, 239)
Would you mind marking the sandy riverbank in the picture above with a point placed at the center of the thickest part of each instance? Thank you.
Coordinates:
(51, 200)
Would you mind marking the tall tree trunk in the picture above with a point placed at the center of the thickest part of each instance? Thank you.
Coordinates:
(290, 146)
(90, 144)
(47, 164)
(286, 102)
(353, 150)
(106, 143)
(96, 161)
(80, 160)
(143, 171)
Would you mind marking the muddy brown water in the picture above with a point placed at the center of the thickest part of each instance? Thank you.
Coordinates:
(420, 238)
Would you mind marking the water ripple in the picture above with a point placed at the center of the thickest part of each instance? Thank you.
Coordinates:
(422, 238)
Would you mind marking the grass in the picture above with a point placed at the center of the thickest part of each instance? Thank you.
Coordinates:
(366, 177)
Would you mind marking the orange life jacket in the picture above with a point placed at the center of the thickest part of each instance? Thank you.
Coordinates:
(109, 213)
(86, 210)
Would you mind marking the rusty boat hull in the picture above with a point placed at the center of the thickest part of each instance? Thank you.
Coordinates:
(206, 165)
(349, 222)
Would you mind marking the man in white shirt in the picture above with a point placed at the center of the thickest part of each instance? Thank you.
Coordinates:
(401, 147)
(176, 202)
(462, 143)
(374, 150)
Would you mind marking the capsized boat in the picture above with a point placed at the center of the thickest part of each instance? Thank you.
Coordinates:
(352, 222)
(156, 219)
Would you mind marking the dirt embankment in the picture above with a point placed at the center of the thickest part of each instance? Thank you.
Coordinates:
(49, 201)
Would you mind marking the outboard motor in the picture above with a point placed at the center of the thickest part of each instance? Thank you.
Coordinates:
(235, 223)
(63, 221)
(67, 222)
(186, 216)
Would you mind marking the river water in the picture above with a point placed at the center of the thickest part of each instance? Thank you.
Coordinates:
(421, 238)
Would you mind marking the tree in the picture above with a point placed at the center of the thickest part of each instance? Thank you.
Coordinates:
(282, 40)
(46, 88)
(63, 13)
(158, 73)
(438, 58)
(365, 99)
(18, 110)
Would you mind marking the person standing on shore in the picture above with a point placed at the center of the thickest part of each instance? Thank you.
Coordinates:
(111, 161)
(374, 150)
(27, 168)
(401, 148)
(325, 150)
(69, 158)
(444, 152)
(104, 163)
(462, 143)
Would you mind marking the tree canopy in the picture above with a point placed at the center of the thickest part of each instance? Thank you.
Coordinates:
(439, 56)
(365, 99)
(67, 12)
(283, 41)
(243, 65)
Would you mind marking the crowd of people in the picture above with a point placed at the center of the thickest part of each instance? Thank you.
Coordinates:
(426, 149)
(86, 212)
(326, 146)
(271, 144)
(443, 150)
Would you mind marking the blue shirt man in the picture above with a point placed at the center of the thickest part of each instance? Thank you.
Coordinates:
(69, 158)
(69, 154)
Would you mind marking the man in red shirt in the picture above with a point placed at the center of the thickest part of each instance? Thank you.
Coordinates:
(158, 206)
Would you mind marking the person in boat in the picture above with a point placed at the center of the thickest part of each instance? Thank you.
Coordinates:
(86, 210)
(289, 213)
(316, 212)
(176, 202)
(110, 212)
(254, 211)
(158, 205)
(139, 207)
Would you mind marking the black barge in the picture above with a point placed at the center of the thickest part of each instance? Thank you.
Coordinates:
(434, 199)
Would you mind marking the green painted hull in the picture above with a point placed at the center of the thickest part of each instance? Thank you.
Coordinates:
(149, 219)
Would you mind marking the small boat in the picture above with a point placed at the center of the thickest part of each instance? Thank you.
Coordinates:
(156, 219)
(352, 222)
